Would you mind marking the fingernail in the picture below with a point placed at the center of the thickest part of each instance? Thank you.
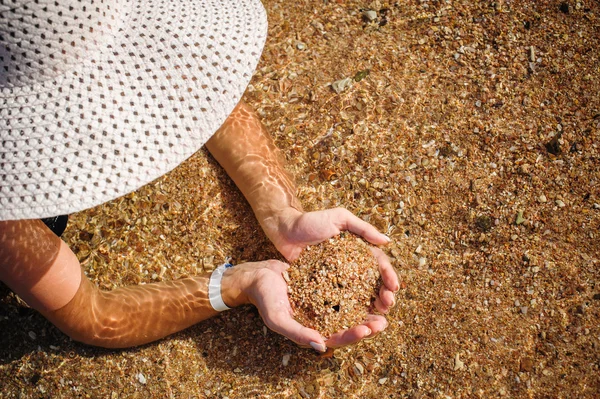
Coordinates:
(318, 347)
(368, 332)
(388, 239)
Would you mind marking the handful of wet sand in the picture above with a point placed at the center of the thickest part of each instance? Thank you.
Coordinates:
(333, 285)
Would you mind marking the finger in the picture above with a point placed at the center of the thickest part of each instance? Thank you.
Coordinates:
(376, 324)
(388, 298)
(349, 336)
(387, 271)
(291, 251)
(282, 323)
(294, 253)
(385, 301)
(276, 265)
(346, 220)
(371, 327)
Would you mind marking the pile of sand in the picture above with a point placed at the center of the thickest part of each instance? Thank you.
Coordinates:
(333, 284)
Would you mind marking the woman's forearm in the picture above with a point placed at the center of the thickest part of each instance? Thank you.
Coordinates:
(243, 147)
(42, 269)
(131, 316)
(136, 315)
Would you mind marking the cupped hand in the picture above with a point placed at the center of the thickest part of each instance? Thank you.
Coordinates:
(262, 284)
(374, 324)
(295, 230)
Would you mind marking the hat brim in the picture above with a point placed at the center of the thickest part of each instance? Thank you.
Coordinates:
(130, 113)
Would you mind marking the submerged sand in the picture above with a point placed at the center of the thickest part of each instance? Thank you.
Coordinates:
(467, 131)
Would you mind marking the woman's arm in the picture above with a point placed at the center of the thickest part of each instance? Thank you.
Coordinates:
(43, 271)
(246, 151)
(33, 260)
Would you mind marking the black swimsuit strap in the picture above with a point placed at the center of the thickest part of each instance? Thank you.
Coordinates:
(57, 224)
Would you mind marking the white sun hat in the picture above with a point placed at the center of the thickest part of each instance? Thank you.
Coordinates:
(99, 97)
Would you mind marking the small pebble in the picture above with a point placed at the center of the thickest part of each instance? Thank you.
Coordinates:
(359, 368)
(532, 54)
(458, 364)
(542, 198)
(524, 309)
(525, 169)
(360, 75)
(162, 271)
(341, 85)
(301, 46)
(422, 262)
(419, 249)
(317, 25)
(32, 335)
(519, 219)
(140, 377)
(370, 15)
(382, 380)
(286, 359)
(560, 203)
(596, 206)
